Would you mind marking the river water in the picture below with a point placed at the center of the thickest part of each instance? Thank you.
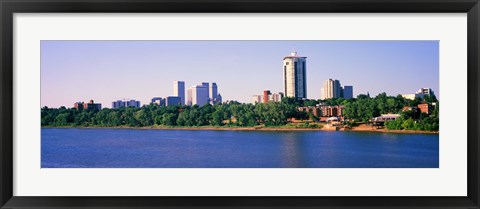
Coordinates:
(138, 148)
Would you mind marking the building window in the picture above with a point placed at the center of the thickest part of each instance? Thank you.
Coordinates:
(304, 84)
(295, 74)
(286, 63)
(285, 77)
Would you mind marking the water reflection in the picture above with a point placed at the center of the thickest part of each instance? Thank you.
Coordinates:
(126, 148)
(292, 153)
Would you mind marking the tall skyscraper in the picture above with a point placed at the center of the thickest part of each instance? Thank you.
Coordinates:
(295, 76)
(331, 89)
(198, 95)
(207, 85)
(179, 91)
(348, 92)
(213, 92)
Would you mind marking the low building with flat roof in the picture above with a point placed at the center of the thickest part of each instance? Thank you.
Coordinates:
(386, 117)
(173, 101)
(158, 101)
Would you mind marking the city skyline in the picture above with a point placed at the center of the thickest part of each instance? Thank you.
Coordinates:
(107, 71)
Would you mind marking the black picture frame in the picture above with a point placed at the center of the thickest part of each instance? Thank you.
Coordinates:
(9, 7)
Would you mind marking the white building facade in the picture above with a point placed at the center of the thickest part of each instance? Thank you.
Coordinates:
(421, 93)
(425, 91)
(276, 97)
(257, 99)
(331, 89)
(295, 76)
(198, 95)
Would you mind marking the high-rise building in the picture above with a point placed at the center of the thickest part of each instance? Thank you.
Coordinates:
(118, 104)
(189, 97)
(172, 101)
(203, 94)
(425, 91)
(331, 89)
(266, 96)
(158, 101)
(132, 103)
(198, 95)
(213, 92)
(207, 85)
(295, 75)
(421, 93)
(218, 99)
(348, 92)
(179, 91)
(125, 103)
(78, 106)
(256, 99)
(87, 106)
(276, 97)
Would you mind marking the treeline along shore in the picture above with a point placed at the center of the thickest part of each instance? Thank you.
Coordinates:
(358, 114)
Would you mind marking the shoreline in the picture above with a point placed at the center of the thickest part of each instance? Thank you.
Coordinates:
(208, 128)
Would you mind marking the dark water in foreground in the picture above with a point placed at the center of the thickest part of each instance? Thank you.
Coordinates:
(128, 148)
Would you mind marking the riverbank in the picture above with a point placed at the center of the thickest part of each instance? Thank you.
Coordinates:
(192, 128)
(360, 128)
(365, 128)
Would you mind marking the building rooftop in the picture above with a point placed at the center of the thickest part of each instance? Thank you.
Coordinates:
(293, 55)
(389, 116)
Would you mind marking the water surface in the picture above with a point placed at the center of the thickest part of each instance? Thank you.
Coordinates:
(135, 148)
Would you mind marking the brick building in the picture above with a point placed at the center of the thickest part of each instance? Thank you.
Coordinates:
(324, 111)
(425, 108)
(316, 111)
(87, 106)
(332, 111)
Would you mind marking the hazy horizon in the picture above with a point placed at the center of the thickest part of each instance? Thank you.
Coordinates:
(106, 71)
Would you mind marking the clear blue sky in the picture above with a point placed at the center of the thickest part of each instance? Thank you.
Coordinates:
(109, 70)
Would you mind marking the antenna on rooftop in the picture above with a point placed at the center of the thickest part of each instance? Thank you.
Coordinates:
(294, 53)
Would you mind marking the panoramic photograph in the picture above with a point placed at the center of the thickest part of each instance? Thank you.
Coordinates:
(239, 104)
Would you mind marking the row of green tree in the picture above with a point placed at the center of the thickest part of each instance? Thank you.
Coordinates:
(233, 113)
(427, 123)
(360, 109)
